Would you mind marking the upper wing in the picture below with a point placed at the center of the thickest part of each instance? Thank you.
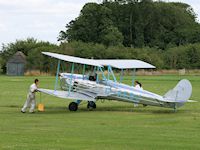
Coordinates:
(67, 95)
(116, 63)
(73, 59)
(124, 63)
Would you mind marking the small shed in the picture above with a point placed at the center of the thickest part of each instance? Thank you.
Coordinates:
(16, 64)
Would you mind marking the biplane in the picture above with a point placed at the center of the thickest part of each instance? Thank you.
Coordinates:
(103, 85)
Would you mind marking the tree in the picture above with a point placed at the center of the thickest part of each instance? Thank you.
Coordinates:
(111, 36)
(141, 22)
(89, 25)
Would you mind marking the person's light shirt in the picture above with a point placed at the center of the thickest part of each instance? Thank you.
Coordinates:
(137, 86)
(33, 88)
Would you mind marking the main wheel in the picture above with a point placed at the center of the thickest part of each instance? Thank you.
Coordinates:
(91, 105)
(73, 106)
(144, 105)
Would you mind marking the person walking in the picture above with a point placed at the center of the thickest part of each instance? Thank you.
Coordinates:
(30, 101)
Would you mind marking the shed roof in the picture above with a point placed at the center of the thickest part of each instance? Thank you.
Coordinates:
(18, 57)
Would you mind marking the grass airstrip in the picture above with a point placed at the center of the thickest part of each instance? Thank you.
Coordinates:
(113, 125)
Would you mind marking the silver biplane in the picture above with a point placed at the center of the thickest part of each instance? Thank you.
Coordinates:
(90, 88)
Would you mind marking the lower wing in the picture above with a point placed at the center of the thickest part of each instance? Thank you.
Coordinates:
(67, 95)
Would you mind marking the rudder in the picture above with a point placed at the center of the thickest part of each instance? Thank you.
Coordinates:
(180, 93)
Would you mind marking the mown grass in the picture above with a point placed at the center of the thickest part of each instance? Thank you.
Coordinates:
(113, 125)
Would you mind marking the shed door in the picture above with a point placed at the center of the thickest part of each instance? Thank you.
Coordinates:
(15, 69)
(20, 69)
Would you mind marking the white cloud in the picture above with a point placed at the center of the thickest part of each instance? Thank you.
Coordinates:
(43, 19)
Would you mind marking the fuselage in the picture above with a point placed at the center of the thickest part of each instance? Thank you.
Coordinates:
(108, 89)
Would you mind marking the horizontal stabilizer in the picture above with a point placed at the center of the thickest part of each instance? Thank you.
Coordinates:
(180, 93)
(67, 95)
(191, 101)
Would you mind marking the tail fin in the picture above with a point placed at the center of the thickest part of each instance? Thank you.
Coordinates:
(180, 93)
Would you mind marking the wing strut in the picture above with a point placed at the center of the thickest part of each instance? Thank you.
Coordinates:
(83, 71)
(72, 72)
(104, 77)
(110, 71)
(133, 79)
(121, 75)
(58, 70)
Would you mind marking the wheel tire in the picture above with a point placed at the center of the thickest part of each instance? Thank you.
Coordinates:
(91, 105)
(73, 106)
(144, 105)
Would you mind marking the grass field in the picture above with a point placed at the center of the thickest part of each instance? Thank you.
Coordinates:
(113, 125)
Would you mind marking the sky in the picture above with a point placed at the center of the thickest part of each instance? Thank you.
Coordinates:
(44, 19)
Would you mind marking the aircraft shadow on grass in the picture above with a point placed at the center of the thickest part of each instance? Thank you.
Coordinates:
(129, 109)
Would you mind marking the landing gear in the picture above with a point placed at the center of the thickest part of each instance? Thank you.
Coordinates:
(175, 107)
(73, 106)
(91, 105)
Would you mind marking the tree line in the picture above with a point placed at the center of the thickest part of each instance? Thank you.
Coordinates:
(166, 35)
(186, 56)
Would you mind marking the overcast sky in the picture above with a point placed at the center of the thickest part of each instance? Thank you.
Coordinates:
(43, 19)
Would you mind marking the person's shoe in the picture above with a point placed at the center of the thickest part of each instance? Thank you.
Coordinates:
(22, 111)
(32, 112)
